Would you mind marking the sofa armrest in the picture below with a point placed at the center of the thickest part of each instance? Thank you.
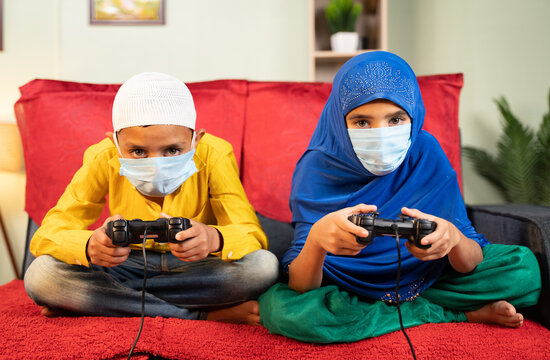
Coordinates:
(520, 224)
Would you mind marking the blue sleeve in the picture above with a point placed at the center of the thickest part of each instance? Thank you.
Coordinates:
(301, 231)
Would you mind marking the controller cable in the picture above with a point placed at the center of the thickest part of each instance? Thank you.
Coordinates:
(142, 292)
(395, 228)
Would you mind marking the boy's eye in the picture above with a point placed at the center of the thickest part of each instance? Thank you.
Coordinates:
(137, 152)
(173, 151)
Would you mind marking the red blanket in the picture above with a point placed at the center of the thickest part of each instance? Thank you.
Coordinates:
(25, 334)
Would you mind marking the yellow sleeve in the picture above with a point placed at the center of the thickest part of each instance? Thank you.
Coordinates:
(236, 218)
(64, 232)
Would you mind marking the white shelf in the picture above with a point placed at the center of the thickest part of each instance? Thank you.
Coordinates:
(328, 54)
(371, 25)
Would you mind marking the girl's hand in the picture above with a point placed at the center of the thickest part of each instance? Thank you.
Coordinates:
(445, 237)
(334, 233)
(464, 254)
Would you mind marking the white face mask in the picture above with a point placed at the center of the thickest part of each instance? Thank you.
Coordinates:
(158, 176)
(381, 150)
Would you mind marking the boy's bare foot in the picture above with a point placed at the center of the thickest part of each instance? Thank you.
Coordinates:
(51, 313)
(498, 312)
(247, 312)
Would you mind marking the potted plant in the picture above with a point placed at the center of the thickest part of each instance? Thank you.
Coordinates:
(341, 17)
(521, 168)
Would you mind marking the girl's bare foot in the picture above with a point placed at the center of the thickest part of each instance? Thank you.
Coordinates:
(498, 312)
(247, 312)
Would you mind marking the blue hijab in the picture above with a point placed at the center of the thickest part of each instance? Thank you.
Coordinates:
(329, 176)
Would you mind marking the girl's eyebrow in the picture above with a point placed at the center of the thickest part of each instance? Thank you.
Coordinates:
(359, 116)
(397, 113)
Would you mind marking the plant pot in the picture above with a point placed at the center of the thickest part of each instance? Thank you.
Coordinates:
(344, 42)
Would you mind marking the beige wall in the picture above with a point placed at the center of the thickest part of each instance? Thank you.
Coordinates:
(499, 45)
(202, 40)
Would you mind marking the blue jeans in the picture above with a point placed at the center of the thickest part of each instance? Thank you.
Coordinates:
(174, 288)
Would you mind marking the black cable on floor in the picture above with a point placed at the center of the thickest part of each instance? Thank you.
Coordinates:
(142, 292)
(394, 227)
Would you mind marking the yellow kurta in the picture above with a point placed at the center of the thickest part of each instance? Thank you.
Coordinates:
(213, 196)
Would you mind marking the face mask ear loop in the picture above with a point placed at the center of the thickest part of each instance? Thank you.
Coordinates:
(116, 143)
(193, 141)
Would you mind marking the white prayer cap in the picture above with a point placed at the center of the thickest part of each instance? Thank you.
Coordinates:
(152, 98)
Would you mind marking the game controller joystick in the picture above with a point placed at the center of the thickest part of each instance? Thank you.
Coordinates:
(124, 232)
(407, 227)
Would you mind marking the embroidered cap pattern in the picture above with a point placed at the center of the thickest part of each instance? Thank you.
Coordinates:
(378, 77)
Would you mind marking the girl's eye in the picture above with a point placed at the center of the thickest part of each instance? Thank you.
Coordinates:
(362, 123)
(396, 121)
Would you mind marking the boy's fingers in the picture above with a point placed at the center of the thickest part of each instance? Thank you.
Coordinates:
(112, 218)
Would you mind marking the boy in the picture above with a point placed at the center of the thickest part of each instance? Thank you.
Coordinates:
(154, 165)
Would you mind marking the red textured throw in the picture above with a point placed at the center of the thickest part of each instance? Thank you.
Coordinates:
(25, 334)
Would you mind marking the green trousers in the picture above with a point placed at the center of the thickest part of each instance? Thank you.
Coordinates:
(328, 314)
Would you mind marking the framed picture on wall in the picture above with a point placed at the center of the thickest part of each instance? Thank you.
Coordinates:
(1, 32)
(127, 12)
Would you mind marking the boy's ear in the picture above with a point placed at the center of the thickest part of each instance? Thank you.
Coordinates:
(109, 134)
(198, 135)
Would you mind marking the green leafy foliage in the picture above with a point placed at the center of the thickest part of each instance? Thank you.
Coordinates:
(521, 168)
(341, 15)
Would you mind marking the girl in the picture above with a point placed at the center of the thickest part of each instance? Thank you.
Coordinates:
(368, 153)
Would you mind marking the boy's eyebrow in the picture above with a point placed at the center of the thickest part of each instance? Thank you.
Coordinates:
(175, 144)
(132, 145)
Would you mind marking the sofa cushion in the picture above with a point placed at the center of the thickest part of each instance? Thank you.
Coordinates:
(281, 117)
(441, 94)
(58, 120)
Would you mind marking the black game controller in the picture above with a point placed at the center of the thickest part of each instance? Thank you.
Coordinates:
(124, 232)
(407, 227)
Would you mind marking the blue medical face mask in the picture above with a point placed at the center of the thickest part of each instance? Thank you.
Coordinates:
(158, 176)
(381, 150)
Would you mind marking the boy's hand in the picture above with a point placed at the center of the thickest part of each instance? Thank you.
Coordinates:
(334, 233)
(100, 249)
(445, 237)
(196, 242)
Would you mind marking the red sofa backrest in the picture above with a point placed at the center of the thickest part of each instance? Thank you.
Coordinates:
(59, 120)
(281, 117)
(269, 125)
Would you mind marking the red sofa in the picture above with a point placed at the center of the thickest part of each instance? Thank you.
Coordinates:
(269, 125)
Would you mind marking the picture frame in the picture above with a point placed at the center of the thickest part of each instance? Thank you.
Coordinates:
(1, 26)
(127, 12)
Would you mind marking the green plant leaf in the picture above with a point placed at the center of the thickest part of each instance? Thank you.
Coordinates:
(521, 168)
(543, 149)
(486, 165)
(341, 15)
(517, 157)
